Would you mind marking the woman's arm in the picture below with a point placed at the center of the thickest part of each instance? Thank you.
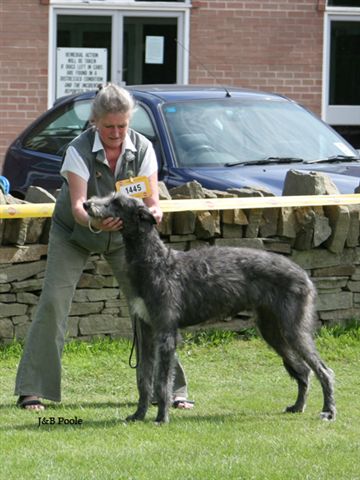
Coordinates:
(153, 201)
(78, 195)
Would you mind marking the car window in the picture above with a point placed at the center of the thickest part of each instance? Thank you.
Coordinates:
(58, 129)
(141, 122)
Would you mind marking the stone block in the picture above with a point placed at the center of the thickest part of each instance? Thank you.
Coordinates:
(234, 217)
(21, 329)
(254, 217)
(240, 242)
(269, 222)
(333, 317)
(95, 295)
(6, 329)
(339, 219)
(88, 280)
(183, 223)
(329, 301)
(308, 183)
(7, 297)
(12, 309)
(322, 258)
(353, 286)
(207, 225)
(277, 246)
(251, 191)
(21, 271)
(99, 324)
(352, 239)
(182, 238)
(165, 227)
(23, 254)
(232, 231)
(287, 226)
(20, 319)
(31, 285)
(327, 283)
(73, 327)
(188, 190)
(163, 191)
(335, 271)
(86, 308)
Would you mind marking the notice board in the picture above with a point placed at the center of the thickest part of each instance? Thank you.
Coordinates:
(80, 69)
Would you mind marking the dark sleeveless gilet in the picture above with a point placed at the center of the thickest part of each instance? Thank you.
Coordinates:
(101, 182)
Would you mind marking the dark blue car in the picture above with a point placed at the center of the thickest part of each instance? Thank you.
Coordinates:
(221, 137)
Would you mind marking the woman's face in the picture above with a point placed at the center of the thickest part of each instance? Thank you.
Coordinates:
(112, 129)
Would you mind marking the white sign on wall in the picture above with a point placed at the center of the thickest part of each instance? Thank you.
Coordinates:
(154, 50)
(80, 69)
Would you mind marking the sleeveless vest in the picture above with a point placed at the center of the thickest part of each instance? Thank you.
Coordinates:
(101, 183)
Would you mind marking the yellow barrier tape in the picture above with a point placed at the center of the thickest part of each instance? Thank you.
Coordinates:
(26, 210)
(35, 210)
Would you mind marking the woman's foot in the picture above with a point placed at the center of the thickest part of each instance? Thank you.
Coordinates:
(30, 402)
(183, 403)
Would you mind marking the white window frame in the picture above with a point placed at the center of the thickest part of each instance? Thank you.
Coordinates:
(118, 9)
(337, 114)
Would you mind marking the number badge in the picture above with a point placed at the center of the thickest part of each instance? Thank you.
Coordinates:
(134, 187)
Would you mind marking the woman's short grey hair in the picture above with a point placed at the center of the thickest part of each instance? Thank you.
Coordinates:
(111, 99)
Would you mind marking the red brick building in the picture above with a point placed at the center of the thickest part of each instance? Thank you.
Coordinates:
(306, 49)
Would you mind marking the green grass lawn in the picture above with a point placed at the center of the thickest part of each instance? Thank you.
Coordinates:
(236, 431)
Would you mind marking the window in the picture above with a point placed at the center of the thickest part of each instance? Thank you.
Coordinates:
(57, 130)
(344, 3)
(345, 63)
(341, 96)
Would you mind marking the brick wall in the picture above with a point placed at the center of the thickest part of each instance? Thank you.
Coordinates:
(23, 66)
(271, 45)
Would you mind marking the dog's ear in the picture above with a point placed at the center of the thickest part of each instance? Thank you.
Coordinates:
(145, 214)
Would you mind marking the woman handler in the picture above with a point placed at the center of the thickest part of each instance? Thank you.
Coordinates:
(94, 163)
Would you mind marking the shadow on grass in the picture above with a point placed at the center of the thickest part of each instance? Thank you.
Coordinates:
(74, 406)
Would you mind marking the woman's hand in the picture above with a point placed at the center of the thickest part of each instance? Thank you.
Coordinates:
(109, 224)
(157, 213)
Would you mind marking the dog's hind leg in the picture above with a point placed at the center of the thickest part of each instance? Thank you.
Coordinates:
(145, 353)
(300, 371)
(297, 369)
(300, 339)
(166, 346)
(324, 374)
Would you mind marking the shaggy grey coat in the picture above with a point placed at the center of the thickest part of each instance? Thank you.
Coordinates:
(173, 289)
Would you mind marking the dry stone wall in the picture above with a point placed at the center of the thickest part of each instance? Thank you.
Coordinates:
(323, 240)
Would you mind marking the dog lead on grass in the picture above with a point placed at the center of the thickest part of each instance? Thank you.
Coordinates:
(173, 289)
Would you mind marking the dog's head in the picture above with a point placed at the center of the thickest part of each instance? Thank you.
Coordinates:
(134, 214)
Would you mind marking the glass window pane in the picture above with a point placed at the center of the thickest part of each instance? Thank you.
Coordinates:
(344, 3)
(85, 31)
(53, 135)
(345, 63)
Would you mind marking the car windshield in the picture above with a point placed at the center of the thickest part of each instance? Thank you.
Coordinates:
(233, 131)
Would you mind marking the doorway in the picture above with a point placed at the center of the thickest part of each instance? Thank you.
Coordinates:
(136, 48)
(149, 50)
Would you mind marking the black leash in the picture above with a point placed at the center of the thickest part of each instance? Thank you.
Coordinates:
(133, 346)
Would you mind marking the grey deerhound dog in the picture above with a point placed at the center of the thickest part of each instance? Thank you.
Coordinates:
(173, 289)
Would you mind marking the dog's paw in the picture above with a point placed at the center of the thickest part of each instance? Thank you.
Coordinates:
(135, 417)
(328, 416)
(161, 420)
(294, 409)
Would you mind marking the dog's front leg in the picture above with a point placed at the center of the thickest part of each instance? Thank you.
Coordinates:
(165, 349)
(145, 368)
